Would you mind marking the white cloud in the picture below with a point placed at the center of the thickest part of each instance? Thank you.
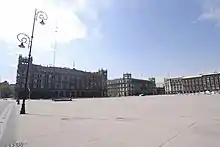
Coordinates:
(17, 17)
(210, 11)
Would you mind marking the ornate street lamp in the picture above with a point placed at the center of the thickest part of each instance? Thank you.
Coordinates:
(25, 39)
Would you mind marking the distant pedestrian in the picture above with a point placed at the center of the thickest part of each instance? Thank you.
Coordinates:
(18, 101)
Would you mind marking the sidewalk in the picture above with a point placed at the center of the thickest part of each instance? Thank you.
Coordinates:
(155, 122)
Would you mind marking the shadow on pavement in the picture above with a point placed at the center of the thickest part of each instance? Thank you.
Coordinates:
(67, 118)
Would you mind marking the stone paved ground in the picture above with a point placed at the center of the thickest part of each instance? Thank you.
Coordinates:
(152, 121)
(7, 122)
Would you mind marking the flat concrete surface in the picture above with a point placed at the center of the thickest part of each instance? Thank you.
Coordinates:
(8, 122)
(3, 105)
(150, 121)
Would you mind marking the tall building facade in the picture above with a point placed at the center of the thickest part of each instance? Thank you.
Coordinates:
(128, 86)
(55, 82)
(160, 88)
(194, 84)
(173, 85)
(202, 83)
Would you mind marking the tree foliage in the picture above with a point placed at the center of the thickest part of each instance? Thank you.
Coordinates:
(5, 89)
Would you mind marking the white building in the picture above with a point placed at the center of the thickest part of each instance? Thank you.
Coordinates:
(173, 85)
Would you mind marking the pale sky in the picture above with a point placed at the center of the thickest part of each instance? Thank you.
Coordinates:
(148, 38)
(62, 14)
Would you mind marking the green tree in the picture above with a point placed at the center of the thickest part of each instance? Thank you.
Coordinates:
(5, 89)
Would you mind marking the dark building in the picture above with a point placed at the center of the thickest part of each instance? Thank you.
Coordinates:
(55, 82)
(128, 86)
(160, 89)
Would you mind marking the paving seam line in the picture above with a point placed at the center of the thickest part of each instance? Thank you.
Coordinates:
(4, 119)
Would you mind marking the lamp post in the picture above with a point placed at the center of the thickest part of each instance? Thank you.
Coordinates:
(25, 39)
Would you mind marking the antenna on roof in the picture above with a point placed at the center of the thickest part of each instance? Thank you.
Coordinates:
(73, 64)
(55, 45)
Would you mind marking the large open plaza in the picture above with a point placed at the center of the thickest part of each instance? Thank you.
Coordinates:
(155, 121)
